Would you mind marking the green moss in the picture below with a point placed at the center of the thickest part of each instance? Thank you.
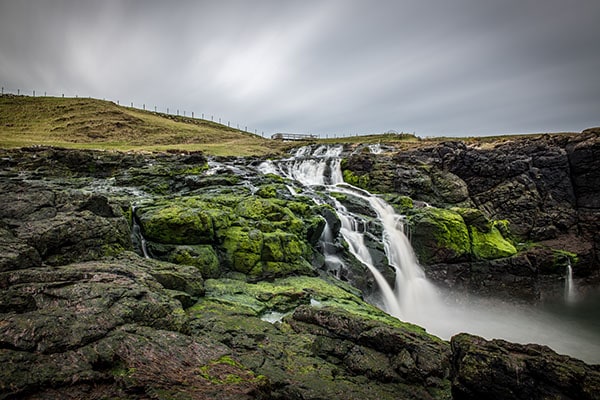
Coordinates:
(243, 248)
(563, 257)
(267, 191)
(272, 247)
(175, 224)
(202, 257)
(196, 170)
(503, 226)
(226, 371)
(111, 250)
(250, 234)
(439, 235)
(490, 245)
(402, 204)
(474, 217)
(339, 196)
(351, 178)
(285, 294)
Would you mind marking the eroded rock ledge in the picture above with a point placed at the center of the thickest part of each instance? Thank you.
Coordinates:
(83, 316)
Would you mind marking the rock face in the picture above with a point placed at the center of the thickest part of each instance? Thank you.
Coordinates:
(233, 303)
(538, 196)
(501, 370)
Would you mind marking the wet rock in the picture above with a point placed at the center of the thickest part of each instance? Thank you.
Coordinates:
(260, 237)
(501, 370)
(60, 226)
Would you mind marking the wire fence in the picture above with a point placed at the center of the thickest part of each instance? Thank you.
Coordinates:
(172, 111)
(179, 112)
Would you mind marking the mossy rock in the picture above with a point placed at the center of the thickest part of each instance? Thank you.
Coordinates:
(402, 204)
(259, 237)
(176, 224)
(265, 255)
(490, 245)
(474, 217)
(272, 191)
(361, 181)
(285, 294)
(439, 236)
(267, 215)
(202, 257)
(243, 248)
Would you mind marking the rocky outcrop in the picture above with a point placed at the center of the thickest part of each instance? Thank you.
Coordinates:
(233, 304)
(262, 237)
(539, 192)
(502, 370)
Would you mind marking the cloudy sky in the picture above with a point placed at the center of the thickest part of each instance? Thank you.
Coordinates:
(339, 67)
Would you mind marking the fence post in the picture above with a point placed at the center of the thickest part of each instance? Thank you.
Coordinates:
(34, 93)
(18, 92)
(144, 106)
(167, 110)
(154, 108)
(192, 114)
(3, 90)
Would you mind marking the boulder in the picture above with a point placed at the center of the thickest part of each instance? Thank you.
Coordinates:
(439, 235)
(260, 237)
(58, 225)
(498, 369)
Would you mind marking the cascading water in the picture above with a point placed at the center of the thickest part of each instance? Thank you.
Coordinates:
(413, 298)
(570, 294)
(354, 236)
(413, 294)
(137, 238)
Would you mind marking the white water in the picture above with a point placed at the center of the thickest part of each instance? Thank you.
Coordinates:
(413, 298)
(570, 293)
(136, 233)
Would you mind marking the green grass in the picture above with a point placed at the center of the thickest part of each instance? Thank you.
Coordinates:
(97, 124)
(90, 123)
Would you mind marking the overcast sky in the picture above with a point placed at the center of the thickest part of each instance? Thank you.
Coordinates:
(432, 67)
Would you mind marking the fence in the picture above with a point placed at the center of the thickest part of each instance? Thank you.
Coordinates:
(167, 110)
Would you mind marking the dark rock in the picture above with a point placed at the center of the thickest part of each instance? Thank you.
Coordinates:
(16, 253)
(62, 225)
(380, 351)
(501, 370)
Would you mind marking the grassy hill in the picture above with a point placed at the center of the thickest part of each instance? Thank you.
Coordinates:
(99, 124)
(91, 123)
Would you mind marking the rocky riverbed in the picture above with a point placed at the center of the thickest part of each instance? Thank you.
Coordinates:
(235, 301)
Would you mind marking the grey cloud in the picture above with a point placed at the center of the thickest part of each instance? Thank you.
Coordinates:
(327, 67)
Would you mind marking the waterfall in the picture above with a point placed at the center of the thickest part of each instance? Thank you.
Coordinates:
(570, 293)
(412, 294)
(137, 238)
(354, 236)
(315, 172)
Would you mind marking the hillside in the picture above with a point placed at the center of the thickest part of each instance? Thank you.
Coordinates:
(98, 124)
